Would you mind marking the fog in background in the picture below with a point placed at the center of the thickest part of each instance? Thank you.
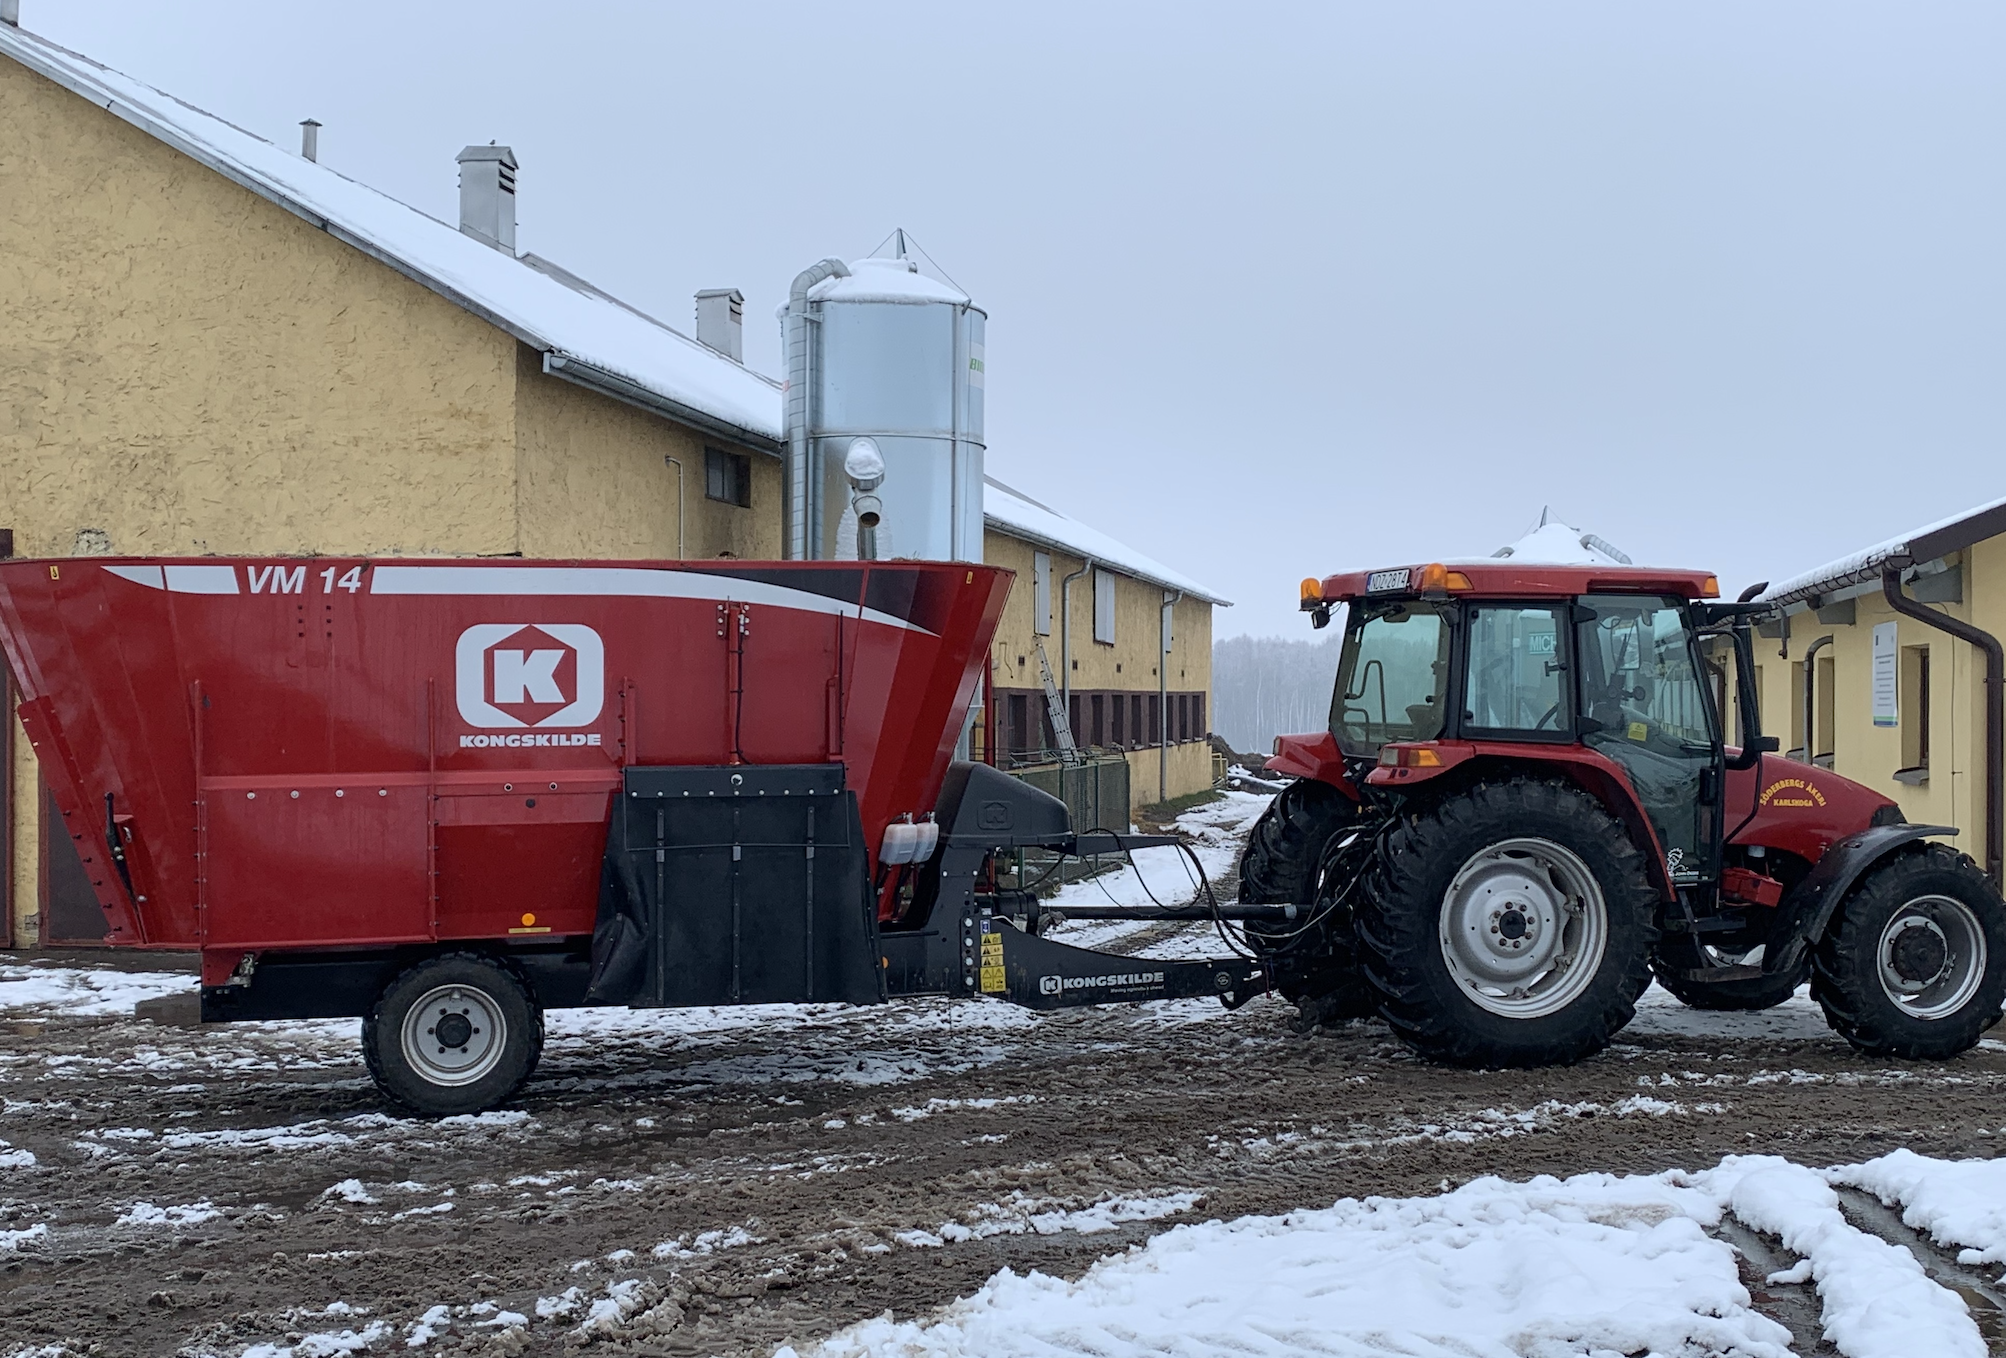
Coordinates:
(1273, 289)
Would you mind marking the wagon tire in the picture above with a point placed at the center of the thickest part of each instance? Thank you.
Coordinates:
(1281, 866)
(1914, 963)
(456, 1033)
(1508, 925)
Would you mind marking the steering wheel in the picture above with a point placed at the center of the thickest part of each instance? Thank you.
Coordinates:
(1551, 714)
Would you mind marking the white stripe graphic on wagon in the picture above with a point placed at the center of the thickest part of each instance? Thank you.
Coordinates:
(181, 579)
(615, 581)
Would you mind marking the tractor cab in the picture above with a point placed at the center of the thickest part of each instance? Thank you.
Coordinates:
(1450, 662)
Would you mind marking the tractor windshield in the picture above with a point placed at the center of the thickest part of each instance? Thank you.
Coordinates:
(1391, 676)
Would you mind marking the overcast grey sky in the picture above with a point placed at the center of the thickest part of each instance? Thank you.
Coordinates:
(1272, 289)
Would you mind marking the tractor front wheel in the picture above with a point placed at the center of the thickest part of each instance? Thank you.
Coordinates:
(1914, 965)
(456, 1033)
(1510, 925)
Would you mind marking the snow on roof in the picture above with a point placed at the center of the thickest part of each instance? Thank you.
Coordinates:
(1555, 544)
(587, 335)
(885, 280)
(1013, 512)
(1917, 545)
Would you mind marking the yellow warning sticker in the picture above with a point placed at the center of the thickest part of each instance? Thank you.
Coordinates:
(993, 979)
(1638, 730)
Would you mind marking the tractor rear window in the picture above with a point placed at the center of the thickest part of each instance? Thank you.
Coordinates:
(1391, 677)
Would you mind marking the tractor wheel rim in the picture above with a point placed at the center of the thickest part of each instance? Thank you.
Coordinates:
(1524, 928)
(1931, 957)
(454, 1035)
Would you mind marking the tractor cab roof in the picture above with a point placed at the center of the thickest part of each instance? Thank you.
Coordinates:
(1493, 577)
(1552, 559)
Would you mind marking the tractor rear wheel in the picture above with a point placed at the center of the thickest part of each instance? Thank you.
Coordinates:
(1678, 954)
(456, 1033)
(1914, 964)
(1509, 925)
(1283, 865)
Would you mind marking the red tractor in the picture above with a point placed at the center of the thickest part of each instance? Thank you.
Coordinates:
(1526, 807)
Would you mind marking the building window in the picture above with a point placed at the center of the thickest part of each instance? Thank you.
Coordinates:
(1018, 721)
(1198, 716)
(1098, 708)
(1155, 719)
(1104, 607)
(1913, 704)
(727, 477)
(1136, 734)
(1119, 734)
(1041, 593)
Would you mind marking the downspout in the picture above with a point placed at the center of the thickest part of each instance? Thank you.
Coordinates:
(681, 553)
(1163, 616)
(1811, 693)
(1995, 703)
(1066, 643)
(799, 540)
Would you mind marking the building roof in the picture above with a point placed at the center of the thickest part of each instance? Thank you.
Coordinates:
(1914, 547)
(1017, 514)
(585, 335)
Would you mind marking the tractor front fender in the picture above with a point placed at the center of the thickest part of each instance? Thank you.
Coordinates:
(1810, 905)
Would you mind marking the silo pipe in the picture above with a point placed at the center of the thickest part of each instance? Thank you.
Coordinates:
(1163, 616)
(1066, 644)
(798, 497)
(1995, 704)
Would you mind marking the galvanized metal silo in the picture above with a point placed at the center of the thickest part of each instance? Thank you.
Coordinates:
(884, 414)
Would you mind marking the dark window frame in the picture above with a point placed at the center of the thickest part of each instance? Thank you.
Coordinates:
(727, 477)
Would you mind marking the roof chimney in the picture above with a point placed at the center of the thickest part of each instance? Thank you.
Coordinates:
(487, 195)
(10, 13)
(721, 321)
(310, 139)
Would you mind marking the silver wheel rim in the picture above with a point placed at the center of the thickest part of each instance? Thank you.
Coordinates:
(1931, 957)
(1524, 928)
(454, 1035)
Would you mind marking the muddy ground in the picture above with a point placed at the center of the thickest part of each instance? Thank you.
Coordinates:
(729, 1181)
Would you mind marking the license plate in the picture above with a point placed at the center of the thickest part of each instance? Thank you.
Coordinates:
(1378, 582)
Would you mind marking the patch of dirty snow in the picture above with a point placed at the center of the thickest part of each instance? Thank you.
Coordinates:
(146, 1214)
(1596, 1263)
(84, 992)
(1022, 1215)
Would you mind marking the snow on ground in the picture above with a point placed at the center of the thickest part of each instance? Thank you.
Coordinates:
(1594, 1264)
(1957, 1202)
(81, 993)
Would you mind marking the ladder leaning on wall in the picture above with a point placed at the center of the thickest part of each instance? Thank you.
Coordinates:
(1055, 707)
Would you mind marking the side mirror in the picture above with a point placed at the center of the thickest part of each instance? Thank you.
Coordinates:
(1768, 744)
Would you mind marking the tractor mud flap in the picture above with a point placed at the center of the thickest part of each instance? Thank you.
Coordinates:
(1041, 974)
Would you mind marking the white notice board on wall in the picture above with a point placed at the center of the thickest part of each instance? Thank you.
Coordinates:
(1885, 671)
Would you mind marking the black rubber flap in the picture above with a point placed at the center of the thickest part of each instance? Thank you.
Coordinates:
(736, 884)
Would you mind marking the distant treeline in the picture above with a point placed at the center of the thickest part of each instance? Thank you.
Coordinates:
(1263, 687)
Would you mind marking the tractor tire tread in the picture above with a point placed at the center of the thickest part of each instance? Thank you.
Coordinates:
(1843, 978)
(1398, 922)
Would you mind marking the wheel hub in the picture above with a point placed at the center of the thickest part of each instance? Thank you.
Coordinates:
(1918, 952)
(454, 1035)
(1931, 956)
(1518, 924)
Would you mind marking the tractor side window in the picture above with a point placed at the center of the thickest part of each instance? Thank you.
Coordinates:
(1391, 676)
(1515, 679)
(1639, 682)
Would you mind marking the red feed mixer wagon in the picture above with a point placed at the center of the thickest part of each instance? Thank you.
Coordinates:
(448, 795)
